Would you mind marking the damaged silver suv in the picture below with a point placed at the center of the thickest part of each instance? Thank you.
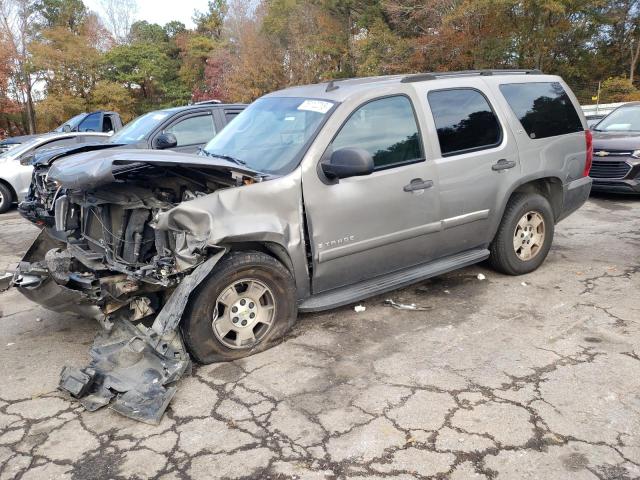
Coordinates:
(312, 198)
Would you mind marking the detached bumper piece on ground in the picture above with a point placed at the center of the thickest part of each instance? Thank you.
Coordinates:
(124, 365)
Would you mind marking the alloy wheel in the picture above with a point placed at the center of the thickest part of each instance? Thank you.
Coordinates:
(243, 314)
(528, 236)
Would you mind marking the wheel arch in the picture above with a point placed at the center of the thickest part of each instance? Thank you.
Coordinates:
(550, 187)
(277, 251)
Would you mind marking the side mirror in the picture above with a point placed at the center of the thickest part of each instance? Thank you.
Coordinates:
(66, 128)
(27, 158)
(348, 162)
(165, 140)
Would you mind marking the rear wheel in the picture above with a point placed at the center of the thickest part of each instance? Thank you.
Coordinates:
(245, 306)
(6, 198)
(524, 236)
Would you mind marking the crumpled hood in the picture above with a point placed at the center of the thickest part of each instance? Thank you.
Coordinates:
(96, 168)
(47, 157)
(616, 140)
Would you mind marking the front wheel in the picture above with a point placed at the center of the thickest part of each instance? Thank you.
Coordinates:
(245, 306)
(524, 236)
(6, 198)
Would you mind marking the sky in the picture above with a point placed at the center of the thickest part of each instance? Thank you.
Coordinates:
(161, 11)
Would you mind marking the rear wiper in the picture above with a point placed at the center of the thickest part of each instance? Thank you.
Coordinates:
(225, 157)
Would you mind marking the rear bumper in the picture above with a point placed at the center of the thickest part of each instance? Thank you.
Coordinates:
(574, 195)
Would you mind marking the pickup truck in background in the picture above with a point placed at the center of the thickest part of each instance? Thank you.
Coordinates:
(98, 121)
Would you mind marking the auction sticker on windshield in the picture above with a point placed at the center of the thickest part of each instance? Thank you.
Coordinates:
(315, 106)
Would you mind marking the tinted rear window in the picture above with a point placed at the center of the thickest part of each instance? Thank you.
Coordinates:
(464, 120)
(544, 109)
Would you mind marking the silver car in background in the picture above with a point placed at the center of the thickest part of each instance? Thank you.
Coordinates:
(15, 164)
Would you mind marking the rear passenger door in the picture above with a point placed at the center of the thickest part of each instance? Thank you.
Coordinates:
(192, 131)
(477, 162)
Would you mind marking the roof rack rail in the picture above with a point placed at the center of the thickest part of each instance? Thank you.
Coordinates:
(420, 77)
(208, 102)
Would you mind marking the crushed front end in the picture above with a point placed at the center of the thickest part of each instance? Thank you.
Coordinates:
(105, 258)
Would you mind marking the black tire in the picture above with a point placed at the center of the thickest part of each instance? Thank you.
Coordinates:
(197, 319)
(503, 256)
(6, 198)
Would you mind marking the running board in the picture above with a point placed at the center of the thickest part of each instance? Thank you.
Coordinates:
(375, 286)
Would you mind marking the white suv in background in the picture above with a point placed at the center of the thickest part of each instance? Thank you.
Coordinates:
(15, 164)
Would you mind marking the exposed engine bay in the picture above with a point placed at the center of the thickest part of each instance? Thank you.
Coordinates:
(105, 257)
(113, 253)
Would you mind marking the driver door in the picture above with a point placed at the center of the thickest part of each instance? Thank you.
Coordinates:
(366, 226)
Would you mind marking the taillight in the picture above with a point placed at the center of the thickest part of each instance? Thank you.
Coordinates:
(589, 158)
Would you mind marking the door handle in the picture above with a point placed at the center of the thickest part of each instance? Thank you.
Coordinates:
(503, 164)
(418, 184)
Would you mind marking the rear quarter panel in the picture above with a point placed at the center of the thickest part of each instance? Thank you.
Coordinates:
(562, 157)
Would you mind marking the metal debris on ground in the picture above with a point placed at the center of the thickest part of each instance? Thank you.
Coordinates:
(405, 306)
(359, 308)
(524, 284)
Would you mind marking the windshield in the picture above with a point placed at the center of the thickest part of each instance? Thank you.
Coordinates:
(270, 134)
(625, 119)
(73, 123)
(139, 128)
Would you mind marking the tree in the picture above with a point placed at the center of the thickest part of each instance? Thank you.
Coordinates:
(119, 16)
(620, 37)
(379, 51)
(619, 89)
(211, 22)
(107, 95)
(67, 14)
(68, 62)
(16, 18)
(148, 67)
(8, 106)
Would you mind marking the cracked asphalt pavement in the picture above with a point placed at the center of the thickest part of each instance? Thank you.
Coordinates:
(508, 377)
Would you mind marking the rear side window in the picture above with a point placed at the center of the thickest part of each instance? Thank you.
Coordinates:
(386, 128)
(464, 120)
(543, 108)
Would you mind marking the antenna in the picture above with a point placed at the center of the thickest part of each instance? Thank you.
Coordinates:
(331, 86)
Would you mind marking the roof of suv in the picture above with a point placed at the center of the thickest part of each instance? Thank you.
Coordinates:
(338, 90)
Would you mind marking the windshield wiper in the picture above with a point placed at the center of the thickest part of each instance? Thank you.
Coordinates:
(237, 161)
